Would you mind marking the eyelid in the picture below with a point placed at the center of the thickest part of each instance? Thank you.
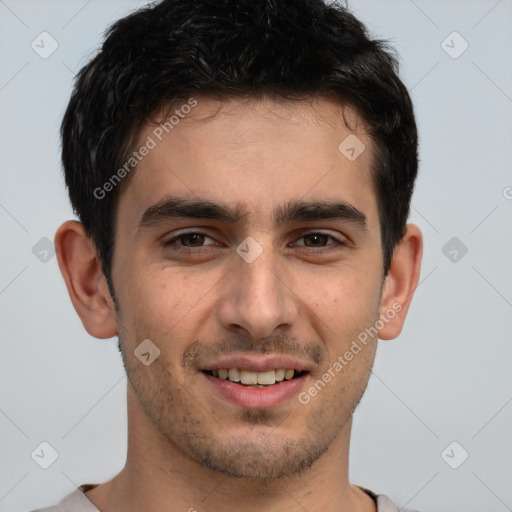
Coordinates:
(297, 236)
(178, 235)
(342, 240)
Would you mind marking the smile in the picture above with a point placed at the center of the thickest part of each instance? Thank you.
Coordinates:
(254, 379)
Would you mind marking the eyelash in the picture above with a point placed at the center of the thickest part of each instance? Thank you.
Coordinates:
(187, 250)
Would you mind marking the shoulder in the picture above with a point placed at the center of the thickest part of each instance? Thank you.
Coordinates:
(73, 502)
(384, 504)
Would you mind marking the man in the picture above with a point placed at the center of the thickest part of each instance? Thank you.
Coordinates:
(242, 171)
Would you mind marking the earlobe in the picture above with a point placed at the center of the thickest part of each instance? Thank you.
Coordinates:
(85, 281)
(401, 282)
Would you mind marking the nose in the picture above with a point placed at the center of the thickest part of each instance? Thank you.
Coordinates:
(258, 298)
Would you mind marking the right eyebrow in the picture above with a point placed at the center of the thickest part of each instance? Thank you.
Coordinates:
(175, 207)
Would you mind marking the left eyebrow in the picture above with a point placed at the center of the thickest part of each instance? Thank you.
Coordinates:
(295, 211)
(233, 213)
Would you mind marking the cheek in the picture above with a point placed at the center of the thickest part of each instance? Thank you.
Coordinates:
(344, 302)
(342, 310)
(164, 307)
(149, 306)
(154, 292)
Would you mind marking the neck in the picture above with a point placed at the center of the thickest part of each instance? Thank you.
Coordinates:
(159, 477)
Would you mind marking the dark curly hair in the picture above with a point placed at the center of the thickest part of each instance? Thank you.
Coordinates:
(289, 49)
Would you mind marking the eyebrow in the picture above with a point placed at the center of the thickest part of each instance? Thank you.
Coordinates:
(233, 213)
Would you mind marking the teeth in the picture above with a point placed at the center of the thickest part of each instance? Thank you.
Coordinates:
(288, 374)
(234, 375)
(267, 377)
(250, 378)
(280, 374)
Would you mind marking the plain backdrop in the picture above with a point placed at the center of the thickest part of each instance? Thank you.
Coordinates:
(434, 428)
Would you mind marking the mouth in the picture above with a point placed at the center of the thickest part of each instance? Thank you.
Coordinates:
(256, 382)
(253, 379)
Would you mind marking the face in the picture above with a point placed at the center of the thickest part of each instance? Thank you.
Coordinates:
(246, 243)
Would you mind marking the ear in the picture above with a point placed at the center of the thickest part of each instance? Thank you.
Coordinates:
(86, 284)
(401, 282)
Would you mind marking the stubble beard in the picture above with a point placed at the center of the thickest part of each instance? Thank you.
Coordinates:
(267, 455)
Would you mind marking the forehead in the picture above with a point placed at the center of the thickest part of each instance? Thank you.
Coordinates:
(259, 153)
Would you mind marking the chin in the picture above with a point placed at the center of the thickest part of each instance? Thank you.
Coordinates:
(258, 459)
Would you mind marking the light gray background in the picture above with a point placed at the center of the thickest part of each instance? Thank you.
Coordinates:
(446, 378)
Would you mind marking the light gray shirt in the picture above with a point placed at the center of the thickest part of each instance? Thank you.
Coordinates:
(78, 502)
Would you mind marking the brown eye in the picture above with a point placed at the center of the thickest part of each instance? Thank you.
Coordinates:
(191, 239)
(316, 239)
(319, 240)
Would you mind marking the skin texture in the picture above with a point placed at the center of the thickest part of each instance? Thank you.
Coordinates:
(189, 447)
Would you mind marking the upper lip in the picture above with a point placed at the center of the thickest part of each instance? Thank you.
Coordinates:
(257, 363)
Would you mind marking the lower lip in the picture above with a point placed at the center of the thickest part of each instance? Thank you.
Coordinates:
(257, 398)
